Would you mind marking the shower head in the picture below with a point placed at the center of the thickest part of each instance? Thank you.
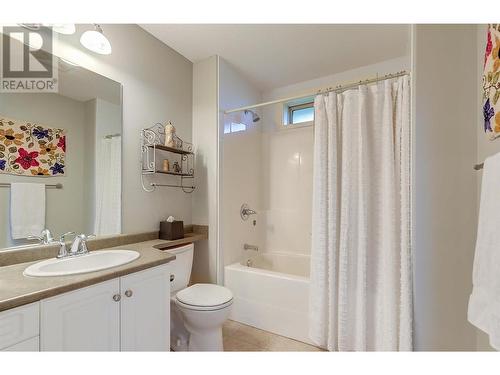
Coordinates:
(255, 116)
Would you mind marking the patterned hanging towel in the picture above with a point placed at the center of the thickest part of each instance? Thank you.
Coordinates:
(31, 149)
(491, 82)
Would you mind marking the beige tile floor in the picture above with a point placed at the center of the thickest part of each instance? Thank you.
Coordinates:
(242, 338)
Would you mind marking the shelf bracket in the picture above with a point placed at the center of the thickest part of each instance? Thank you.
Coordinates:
(151, 141)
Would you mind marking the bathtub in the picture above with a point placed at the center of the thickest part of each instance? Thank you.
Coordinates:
(271, 292)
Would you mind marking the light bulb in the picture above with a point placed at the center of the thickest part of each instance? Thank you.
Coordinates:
(95, 41)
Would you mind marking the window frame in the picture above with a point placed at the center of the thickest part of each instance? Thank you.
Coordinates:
(286, 112)
(296, 107)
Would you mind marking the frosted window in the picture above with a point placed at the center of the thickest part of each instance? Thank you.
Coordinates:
(233, 127)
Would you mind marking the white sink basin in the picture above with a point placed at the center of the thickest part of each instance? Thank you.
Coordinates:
(94, 261)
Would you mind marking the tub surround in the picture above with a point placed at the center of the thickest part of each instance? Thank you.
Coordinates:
(18, 290)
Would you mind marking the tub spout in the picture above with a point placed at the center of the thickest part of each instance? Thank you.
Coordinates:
(250, 247)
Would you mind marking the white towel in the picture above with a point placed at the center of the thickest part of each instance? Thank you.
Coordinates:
(27, 209)
(484, 302)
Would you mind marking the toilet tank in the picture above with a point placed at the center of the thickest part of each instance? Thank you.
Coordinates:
(181, 266)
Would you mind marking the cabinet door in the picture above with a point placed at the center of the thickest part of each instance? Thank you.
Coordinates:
(19, 324)
(30, 345)
(87, 319)
(145, 310)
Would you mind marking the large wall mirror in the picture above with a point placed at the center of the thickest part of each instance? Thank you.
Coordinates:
(70, 142)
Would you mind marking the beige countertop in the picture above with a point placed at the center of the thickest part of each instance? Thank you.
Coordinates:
(188, 238)
(17, 289)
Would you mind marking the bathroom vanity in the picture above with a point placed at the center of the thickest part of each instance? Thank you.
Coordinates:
(130, 313)
(125, 308)
(99, 302)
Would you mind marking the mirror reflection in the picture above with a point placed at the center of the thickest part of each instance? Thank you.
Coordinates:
(60, 159)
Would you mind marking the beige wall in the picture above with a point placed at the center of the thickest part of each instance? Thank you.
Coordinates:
(206, 139)
(445, 189)
(90, 159)
(485, 147)
(157, 87)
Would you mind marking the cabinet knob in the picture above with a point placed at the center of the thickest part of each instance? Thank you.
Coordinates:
(128, 293)
(117, 298)
(172, 277)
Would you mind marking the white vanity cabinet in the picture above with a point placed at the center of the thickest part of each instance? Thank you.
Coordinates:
(145, 310)
(86, 319)
(19, 328)
(128, 313)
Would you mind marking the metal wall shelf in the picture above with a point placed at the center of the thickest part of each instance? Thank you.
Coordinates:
(187, 175)
(171, 149)
(153, 139)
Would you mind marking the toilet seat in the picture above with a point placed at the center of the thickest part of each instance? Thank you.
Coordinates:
(204, 297)
(203, 308)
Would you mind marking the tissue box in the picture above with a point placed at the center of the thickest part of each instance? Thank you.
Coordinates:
(171, 231)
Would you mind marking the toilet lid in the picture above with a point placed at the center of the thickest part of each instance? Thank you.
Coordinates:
(205, 295)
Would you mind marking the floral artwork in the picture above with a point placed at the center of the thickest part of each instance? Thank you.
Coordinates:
(31, 149)
(491, 82)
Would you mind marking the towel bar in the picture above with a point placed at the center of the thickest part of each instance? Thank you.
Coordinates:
(49, 186)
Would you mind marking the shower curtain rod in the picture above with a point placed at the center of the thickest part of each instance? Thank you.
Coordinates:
(342, 87)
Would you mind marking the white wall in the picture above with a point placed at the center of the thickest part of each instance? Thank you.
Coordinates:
(65, 208)
(157, 87)
(445, 194)
(241, 166)
(269, 167)
(287, 167)
(218, 86)
(368, 71)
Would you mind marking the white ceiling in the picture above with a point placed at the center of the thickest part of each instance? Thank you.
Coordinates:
(272, 56)
(81, 84)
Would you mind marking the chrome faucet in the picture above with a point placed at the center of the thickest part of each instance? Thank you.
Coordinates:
(246, 211)
(44, 238)
(63, 252)
(250, 247)
(79, 246)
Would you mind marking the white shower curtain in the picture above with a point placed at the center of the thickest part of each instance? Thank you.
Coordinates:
(108, 186)
(361, 285)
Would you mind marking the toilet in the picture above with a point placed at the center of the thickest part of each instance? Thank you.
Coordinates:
(197, 312)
